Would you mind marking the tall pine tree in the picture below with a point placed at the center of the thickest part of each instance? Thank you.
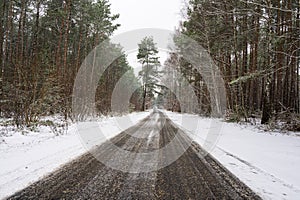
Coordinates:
(147, 56)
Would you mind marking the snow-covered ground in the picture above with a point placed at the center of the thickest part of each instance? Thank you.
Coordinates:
(27, 157)
(268, 162)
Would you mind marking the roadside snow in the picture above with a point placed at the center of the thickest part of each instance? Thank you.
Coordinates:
(268, 162)
(25, 158)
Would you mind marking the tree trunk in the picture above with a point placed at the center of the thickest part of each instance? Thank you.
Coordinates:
(2, 56)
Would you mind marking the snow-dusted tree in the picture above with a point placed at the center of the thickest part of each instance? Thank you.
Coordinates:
(147, 56)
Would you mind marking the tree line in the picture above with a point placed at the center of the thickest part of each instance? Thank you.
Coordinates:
(256, 45)
(42, 46)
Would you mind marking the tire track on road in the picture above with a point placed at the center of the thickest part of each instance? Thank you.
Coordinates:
(191, 176)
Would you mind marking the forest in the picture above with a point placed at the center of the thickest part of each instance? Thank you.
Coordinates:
(43, 44)
(150, 99)
(255, 44)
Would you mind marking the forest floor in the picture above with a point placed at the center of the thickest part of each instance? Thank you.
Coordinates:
(264, 161)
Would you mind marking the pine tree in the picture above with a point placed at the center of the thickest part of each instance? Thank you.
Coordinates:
(255, 44)
(147, 56)
(42, 46)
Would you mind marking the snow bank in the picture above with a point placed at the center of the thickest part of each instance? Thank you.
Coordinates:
(268, 162)
(25, 158)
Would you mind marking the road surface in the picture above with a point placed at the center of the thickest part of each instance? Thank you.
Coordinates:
(191, 176)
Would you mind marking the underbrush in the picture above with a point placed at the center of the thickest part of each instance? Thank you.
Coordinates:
(55, 125)
(283, 121)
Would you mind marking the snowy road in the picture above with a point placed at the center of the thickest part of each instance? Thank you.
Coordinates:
(189, 177)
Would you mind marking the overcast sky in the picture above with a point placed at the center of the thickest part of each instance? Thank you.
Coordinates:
(137, 14)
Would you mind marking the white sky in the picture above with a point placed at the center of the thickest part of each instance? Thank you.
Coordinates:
(138, 14)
